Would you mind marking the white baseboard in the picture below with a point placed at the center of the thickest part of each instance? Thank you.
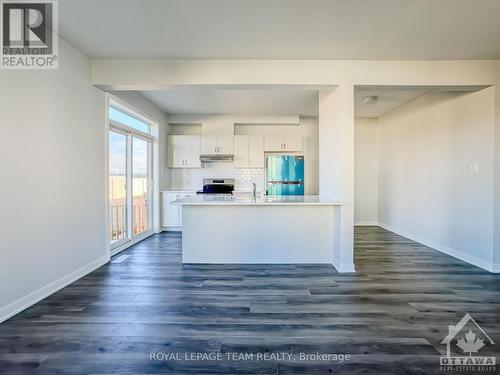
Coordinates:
(36, 296)
(171, 229)
(343, 267)
(366, 223)
(442, 248)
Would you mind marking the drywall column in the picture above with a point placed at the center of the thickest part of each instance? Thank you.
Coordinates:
(496, 192)
(336, 167)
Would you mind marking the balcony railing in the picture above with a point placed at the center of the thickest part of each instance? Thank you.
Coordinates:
(118, 218)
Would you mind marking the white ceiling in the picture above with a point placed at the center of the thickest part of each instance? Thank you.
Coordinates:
(236, 101)
(388, 99)
(301, 29)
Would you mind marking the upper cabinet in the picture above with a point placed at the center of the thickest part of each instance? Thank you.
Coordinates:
(255, 151)
(217, 144)
(183, 151)
(279, 143)
(225, 144)
(248, 151)
(240, 151)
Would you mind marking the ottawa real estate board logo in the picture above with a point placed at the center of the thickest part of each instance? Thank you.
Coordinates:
(29, 34)
(464, 343)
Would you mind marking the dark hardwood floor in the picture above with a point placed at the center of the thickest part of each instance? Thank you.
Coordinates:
(390, 316)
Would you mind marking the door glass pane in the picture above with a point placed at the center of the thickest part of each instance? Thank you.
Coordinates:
(140, 201)
(117, 186)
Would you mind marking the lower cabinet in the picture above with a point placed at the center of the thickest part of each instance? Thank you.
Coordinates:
(171, 214)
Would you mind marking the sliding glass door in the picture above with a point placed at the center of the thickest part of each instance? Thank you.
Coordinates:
(117, 188)
(130, 178)
(140, 186)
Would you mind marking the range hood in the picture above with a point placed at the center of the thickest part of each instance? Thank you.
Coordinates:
(216, 157)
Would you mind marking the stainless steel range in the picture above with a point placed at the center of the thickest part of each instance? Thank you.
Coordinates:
(217, 186)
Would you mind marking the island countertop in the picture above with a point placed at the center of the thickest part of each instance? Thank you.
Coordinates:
(248, 200)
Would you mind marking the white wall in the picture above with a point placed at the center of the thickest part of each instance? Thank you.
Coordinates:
(52, 147)
(192, 179)
(365, 171)
(427, 187)
(336, 167)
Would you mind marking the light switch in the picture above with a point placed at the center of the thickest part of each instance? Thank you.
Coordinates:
(473, 167)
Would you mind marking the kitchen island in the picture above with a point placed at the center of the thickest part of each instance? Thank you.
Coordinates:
(268, 229)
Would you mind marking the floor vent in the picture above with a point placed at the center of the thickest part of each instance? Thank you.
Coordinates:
(121, 258)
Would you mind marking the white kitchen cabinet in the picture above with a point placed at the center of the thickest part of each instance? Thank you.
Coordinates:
(208, 144)
(172, 213)
(192, 152)
(273, 143)
(240, 151)
(255, 151)
(216, 144)
(283, 143)
(248, 151)
(292, 143)
(225, 144)
(183, 151)
(175, 157)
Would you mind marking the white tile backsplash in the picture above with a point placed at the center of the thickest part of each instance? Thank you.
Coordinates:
(192, 179)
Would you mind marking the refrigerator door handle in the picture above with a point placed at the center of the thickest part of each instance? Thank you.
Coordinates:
(286, 182)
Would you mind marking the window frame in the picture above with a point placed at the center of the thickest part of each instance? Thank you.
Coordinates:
(113, 103)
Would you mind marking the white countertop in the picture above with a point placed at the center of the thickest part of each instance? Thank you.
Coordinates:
(178, 191)
(247, 200)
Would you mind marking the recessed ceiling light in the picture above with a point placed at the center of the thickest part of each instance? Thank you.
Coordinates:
(369, 100)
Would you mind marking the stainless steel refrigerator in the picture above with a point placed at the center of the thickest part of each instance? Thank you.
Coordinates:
(285, 174)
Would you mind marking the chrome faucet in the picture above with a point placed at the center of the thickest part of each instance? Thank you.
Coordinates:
(254, 190)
